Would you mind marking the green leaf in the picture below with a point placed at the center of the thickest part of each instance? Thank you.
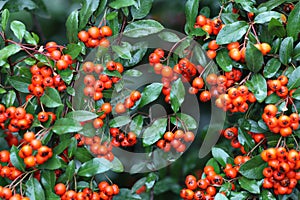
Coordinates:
(142, 28)
(267, 195)
(254, 58)
(296, 52)
(51, 164)
(247, 5)
(119, 121)
(34, 189)
(255, 128)
(142, 10)
(220, 155)
(71, 91)
(112, 73)
(88, 130)
(133, 73)
(117, 165)
(137, 53)
(81, 115)
(220, 196)
(191, 12)
(293, 22)
(83, 155)
(243, 136)
(18, 28)
(232, 32)
(212, 162)
(51, 98)
(177, 94)
(66, 75)
(266, 17)
(100, 8)
(294, 79)
(223, 60)
(20, 83)
(249, 185)
(19, 5)
(15, 159)
(164, 185)
(4, 18)
(117, 4)
(229, 18)
(72, 26)
(9, 51)
(48, 179)
(168, 36)
(286, 50)
(296, 94)
(136, 124)
(73, 50)
(276, 27)
(241, 195)
(69, 173)
(271, 68)
(123, 50)
(272, 99)
(184, 121)
(111, 15)
(9, 98)
(66, 125)
(30, 39)
(150, 94)
(258, 86)
(87, 9)
(138, 184)
(271, 4)
(198, 32)
(93, 167)
(2, 91)
(205, 11)
(154, 132)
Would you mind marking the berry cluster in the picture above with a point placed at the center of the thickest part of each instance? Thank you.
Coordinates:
(95, 36)
(62, 61)
(175, 140)
(8, 171)
(212, 49)
(279, 87)
(31, 144)
(236, 99)
(128, 102)
(120, 139)
(107, 191)
(17, 117)
(204, 188)
(282, 172)
(232, 171)
(231, 133)
(184, 67)
(100, 150)
(42, 77)
(239, 54)
(7, 194)
(106, 108)
(11, 139)
(284, 124)
(94, 88)
(211, 26)
(219, 84)
(45, 116)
